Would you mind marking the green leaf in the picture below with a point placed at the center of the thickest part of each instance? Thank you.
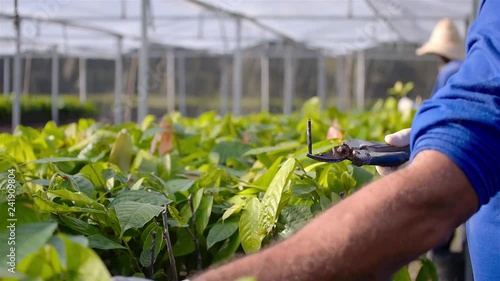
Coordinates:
(361, 176)
(311, 108)
(238, 202)
(93, 172)
(428, 271)
(264, 180)
(135, 215)
(49, 206)
(78, 225)
(98, 241)
(302, 189)
(294, 217)
(144, 162)
(228, 248)
(221, 231)
(348, 181)
(145, 258)
(138, 184)
(147, 122)
(335, 198)
(58, 160)
(179, 220)
(178, 185)
(280, 148)
(43, 264)
(324, 202)
(185, 212)
(84, 185)
(272, 198)
(203, 213)
(28, 239)
(401, 275)
(83, 264)
(122, 150)
(227, 150)
(184, 244)
(141, 196)
(250, 233)
(76, 197)
(150, 132)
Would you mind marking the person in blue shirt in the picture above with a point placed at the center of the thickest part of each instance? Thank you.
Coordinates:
(453, 176)
(446, 43)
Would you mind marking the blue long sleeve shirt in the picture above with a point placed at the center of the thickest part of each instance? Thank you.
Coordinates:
(462, 120)
(445, 73)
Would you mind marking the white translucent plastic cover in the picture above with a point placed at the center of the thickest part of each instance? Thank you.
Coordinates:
(91, 27)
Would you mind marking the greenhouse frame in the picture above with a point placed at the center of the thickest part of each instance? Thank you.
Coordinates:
(182, 28)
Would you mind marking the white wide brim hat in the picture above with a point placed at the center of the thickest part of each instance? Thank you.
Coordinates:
(445, 41)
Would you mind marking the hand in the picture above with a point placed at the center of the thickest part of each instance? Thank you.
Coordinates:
(401, 138)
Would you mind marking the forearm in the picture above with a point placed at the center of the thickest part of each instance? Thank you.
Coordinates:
(373, 232)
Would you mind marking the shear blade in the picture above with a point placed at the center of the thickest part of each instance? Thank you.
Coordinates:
(330, 156)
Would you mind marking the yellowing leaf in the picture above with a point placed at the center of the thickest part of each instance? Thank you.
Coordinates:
(250, 234)
(272, 198)
(121, 152)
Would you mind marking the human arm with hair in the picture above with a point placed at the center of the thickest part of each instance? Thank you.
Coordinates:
(350, 240)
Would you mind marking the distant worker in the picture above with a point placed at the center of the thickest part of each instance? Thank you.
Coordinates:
(446, 43)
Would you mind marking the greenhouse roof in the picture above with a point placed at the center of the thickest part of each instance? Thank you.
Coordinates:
(91, 27)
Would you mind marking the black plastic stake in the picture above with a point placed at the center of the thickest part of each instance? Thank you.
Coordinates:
(309, 136)
(168, 243)
(153, 246)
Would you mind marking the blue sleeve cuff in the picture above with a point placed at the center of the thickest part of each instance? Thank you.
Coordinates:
(444, 125)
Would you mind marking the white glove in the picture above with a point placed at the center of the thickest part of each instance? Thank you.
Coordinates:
(401, 138)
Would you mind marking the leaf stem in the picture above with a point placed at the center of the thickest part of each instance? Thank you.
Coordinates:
(168, 242)
(195, 234)
(136, 262)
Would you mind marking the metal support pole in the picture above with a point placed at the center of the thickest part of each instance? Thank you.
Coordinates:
(16, 107)
(82, 79)
(321, 80)
(27, 76)
(340, 79)
(118, 102)
(264, 82)
(360, 80)
(170, 80)
(142, 90)
(237, 78)
(288, 80)
(55, 86)
(16, 110)
(224, 86)
(182, 84)
(6, 76)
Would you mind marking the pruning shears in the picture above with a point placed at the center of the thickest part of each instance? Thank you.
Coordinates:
(361, 152)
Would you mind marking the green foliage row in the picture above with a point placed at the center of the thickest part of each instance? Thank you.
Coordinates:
(37, 109)
(94, 200)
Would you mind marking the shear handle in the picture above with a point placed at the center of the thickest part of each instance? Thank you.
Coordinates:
(381, 155)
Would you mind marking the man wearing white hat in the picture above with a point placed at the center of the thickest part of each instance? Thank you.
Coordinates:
(446, 43)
